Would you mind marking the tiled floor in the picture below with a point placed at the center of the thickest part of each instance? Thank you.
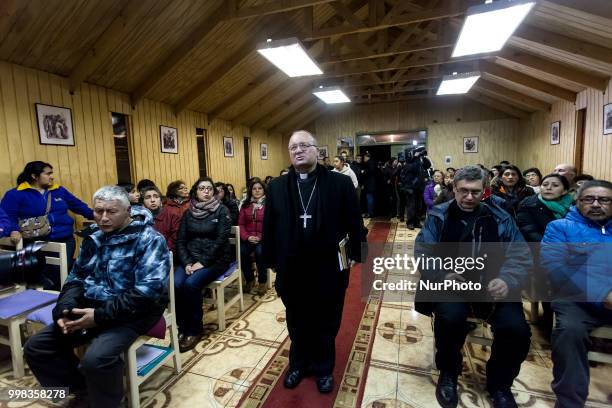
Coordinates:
(220, 370)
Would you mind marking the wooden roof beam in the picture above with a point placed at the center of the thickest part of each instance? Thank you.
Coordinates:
(556, 69)
(494, 90)
(179, 54)
(528, 81)
(132, 12)
(291, 106)
(396, 20)
(599, 8)
(301, 118)
(564, 43)
(274, 7)
(496, 104)
(393, 90)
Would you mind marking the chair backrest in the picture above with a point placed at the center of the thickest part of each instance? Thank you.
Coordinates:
(6, 245)
(172, 305)
(235, 240)
(61, 259)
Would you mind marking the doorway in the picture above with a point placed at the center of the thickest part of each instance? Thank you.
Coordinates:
(579, 146)
(201, 143)
(247, 159)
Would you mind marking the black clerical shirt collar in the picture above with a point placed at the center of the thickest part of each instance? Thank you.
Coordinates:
(302, 177)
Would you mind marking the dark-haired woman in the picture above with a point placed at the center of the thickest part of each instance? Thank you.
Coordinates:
(177, 198)
(35, 192)
(204, 253)
(534, 213)
(166, 222)
(533, 177)
(133, 193)
(223, 195)
(251, 230)
(512, 189)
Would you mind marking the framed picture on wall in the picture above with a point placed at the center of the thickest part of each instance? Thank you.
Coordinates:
(263, 151)
(555, 133)
(168, 137)
(228, 146)
(54, 125)
(470, 144)
(323, 153)
(607, 119)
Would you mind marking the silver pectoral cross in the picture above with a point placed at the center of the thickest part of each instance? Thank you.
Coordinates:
(305, 218)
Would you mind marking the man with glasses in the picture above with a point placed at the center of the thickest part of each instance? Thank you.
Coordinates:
(465, 228)
(577, 254)
(308, 213)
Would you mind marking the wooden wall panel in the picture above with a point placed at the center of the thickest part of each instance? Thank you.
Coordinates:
(534, 141)
(91, 162)
(447, 122)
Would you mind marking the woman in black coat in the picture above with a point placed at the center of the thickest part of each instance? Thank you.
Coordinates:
(533, 215)
(204, 253)
(512, 188)
(223, 195)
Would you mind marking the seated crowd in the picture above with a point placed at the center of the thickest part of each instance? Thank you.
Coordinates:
(117, 288)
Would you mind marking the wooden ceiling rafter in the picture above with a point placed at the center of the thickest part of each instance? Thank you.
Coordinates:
(497, 104)
(290, 106)
(510, 96)
(301, 118)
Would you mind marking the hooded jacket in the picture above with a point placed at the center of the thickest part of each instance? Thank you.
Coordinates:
(577, 254)
(24, 201)
(123, 275)
(513, 268)
(347, 171)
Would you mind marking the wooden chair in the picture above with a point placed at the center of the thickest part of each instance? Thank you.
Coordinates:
(603, 332)
(233, 275)
(168, 321)
(15, 306)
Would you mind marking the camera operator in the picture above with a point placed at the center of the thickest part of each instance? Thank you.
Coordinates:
(412, 184)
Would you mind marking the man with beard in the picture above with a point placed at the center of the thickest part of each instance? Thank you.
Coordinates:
(308, 213)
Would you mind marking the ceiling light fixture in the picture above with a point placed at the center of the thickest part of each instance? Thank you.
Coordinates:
(289, 56)
(457, 83)
(331, 95)
(488, 26)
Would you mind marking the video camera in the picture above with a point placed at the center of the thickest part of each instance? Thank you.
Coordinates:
(414, 152)
(23, 265)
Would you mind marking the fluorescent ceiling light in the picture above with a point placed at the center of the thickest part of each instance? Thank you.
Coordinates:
(487, 27)
(457, 84)
(289, 56)
(331, 95)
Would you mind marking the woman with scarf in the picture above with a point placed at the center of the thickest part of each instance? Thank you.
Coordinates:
(204, 254)
(534, 213)
(177, 198)
(511, 188)
(250, 221)
(166, 222)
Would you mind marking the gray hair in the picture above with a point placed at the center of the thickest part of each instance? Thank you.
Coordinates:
(591, 184)
(314, 139)
(470, 173)
(112, 193)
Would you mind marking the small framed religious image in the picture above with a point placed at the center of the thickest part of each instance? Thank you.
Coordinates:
(470, 144)
(169, 139)
(607, 119)
(54, 125)
(228, 146)
(323, 153)
(263, 150)
(555, 133)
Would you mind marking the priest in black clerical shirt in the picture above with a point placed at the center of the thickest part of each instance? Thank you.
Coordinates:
(308, 212)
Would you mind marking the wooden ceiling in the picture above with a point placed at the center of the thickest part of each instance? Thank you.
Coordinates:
(201, 55)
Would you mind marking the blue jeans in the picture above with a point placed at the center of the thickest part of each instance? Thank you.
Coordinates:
(370, 200)
(246, 249)
(188, 291)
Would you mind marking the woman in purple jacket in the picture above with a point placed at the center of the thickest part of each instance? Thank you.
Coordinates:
(433, 189)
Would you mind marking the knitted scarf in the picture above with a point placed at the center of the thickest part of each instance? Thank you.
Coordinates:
(558, 207)
(257, 204)
(202, 209)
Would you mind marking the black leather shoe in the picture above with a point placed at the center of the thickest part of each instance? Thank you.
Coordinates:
(325, 384)
(189, 342)
(446, 390)
(293, 378)
(503, 399)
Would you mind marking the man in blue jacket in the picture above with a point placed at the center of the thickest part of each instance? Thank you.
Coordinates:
(116, 292)
(469, 227)
(577, 254)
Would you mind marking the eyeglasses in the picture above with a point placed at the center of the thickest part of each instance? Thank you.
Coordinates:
(302, 146)
(464, 192)
(183, 188)
(205, 188)
(591, 200)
